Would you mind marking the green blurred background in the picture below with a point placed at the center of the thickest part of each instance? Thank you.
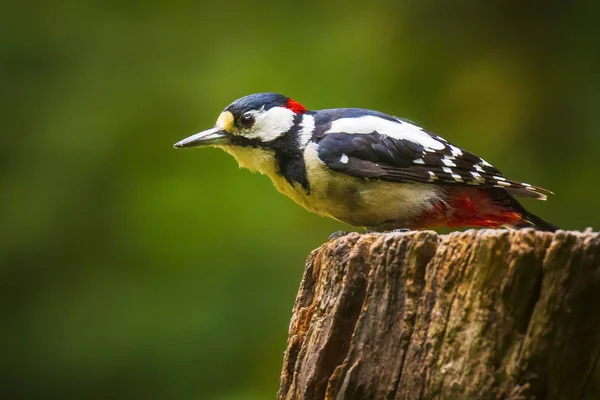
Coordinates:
(131, 270)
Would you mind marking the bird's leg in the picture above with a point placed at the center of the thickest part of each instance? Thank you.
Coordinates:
(337, 234)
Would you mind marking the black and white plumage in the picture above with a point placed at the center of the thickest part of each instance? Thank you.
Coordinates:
(367, 168)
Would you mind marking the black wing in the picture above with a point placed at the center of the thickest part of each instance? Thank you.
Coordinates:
(377, 156)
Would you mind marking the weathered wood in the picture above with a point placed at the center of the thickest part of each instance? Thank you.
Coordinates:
(489, 314)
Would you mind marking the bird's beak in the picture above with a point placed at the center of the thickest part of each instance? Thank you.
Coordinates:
(211, 137)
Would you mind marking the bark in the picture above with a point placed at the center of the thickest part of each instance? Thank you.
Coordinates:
(489, 314)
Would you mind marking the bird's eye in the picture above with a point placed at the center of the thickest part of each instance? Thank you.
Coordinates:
(246, 121)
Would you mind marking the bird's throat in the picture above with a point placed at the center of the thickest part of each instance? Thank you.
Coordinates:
(259, 160)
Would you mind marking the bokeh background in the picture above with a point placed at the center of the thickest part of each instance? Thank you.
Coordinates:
(130, 270)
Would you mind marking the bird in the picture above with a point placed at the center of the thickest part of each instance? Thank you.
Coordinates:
(367, 168)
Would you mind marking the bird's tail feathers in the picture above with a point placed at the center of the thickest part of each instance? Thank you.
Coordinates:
(530, 220)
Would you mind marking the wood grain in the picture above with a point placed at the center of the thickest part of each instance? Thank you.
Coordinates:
(488, 314)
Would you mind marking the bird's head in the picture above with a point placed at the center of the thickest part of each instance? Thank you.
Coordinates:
(253, 121)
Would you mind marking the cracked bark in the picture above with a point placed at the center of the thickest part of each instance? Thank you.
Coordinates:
(489, 314)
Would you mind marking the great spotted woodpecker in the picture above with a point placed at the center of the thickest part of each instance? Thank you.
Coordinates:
(367, 168)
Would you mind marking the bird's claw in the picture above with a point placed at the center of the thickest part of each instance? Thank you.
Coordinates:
(398, 230)
(337, 234)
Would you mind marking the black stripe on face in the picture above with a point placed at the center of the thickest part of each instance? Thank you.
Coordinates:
(242, 141)
(288, 154)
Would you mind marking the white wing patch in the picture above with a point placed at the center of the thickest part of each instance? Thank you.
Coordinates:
(477, 176)
(456, 152)
(433, 160)
(448, 162)
(396, 129)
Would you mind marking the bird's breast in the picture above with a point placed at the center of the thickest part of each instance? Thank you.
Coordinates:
(265, 162)
(356, 201)
(362, 202)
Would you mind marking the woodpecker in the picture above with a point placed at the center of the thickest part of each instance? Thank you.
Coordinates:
(367, 168)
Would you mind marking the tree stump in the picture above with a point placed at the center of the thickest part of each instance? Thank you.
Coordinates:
(488, 314)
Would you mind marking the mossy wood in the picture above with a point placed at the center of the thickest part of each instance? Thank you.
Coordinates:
(489, 314)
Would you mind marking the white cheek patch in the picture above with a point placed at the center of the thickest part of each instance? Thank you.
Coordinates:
(395, 129)
(271, 124)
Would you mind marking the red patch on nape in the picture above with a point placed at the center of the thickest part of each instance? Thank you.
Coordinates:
(295, 106)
